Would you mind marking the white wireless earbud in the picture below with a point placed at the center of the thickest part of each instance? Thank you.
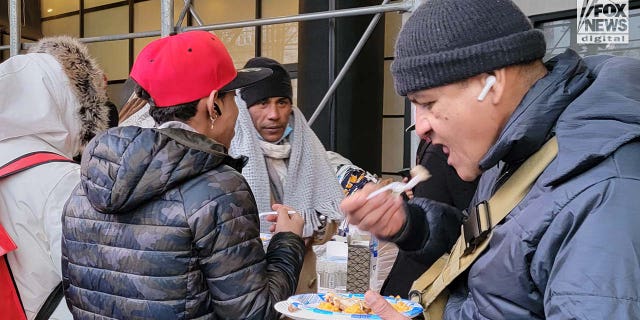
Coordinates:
(491, 80)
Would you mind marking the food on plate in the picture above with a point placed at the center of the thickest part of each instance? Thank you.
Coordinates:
(328, 307)
(347, 305)
(400, 306)
(338, 303)
(292, 308)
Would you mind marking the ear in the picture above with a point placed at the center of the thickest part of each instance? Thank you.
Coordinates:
(498, 88)
(211, 99)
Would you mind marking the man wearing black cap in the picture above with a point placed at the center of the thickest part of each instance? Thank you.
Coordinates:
(553, 223)
(287, 163)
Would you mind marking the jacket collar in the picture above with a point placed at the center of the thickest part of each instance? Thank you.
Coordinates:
(200, 142)
(533, 121)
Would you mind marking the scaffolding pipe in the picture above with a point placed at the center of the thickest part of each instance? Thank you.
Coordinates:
(195, 16)
(183, 13)
(114, 37)
(401, 6)
(347, 65)
(166, 18)
(331, 67)
(15, 26)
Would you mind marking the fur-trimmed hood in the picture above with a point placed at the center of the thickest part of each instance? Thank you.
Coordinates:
(87, 80)
(53, 98)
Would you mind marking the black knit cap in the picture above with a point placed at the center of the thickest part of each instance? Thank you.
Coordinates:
(445, 41)
(276, 85)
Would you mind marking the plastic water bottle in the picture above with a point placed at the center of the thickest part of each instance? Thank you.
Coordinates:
(373, 262)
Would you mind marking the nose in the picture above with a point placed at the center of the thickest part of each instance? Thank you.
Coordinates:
(272, 111)
(423, 127)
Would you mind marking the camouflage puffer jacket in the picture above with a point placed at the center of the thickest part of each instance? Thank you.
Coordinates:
(163, 226)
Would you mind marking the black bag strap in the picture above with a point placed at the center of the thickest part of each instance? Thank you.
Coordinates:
(20, 164)
(52, 302)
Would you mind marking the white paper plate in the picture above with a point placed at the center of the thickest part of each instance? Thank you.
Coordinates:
(306, 303)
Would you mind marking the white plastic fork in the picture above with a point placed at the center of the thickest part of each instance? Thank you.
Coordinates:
(419, 174)
(262, 214)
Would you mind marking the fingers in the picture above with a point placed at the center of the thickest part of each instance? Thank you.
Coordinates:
(283, 213)
(382, 307)
(277, 206)
(359, 207)
(409, 194)
(357, 199)
(390, 223)
(296, 218)
(374, 216)
(285, 220)
(382, 215)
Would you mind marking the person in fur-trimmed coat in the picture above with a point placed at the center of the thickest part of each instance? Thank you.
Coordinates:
(53, 99)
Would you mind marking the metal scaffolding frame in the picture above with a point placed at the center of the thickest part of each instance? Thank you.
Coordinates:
(168, 27)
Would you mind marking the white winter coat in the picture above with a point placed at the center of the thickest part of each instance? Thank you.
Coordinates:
(40, 110)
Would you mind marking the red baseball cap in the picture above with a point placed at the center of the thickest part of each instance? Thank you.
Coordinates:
(187, 66)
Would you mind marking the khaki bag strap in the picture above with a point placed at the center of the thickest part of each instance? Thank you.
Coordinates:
(430, 289)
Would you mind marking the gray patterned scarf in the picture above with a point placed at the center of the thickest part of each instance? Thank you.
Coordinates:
(311, 186)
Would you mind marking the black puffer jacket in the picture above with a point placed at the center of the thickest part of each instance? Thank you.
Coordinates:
(163, 226)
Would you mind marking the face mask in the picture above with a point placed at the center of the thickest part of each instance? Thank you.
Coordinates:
(287, 131)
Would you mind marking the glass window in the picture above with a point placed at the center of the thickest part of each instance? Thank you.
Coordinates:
(62, 26)
(561, 34)
(280, 41)
(4, 54)
(219, 11)
(146, 17)
(240, 41)
(113, 56)
(392, 25)
(392, 103)
(392, 144)
(97, 3)
(55, 7)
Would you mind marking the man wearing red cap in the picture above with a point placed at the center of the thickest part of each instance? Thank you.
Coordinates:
(163, 225)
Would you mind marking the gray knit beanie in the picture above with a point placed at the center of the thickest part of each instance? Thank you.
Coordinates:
(445, 41)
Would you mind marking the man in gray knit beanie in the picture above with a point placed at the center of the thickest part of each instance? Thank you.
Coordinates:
(473, 70)
(446, 41)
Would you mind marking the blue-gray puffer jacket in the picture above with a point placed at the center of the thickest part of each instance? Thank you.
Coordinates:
(163, 226)
(571, 248)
